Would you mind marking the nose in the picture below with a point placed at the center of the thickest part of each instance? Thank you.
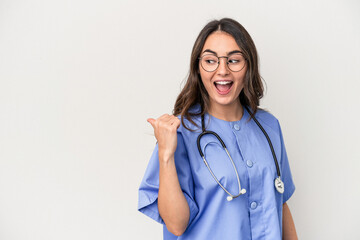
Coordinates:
(223, 68)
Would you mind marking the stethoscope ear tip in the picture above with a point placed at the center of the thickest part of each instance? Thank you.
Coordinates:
(229, 198)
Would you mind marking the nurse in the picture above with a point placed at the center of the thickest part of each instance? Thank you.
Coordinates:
(178, 190)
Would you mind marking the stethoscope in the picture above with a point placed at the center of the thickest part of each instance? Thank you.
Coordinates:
(279, 185)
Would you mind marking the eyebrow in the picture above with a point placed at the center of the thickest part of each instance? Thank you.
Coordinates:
(229, 53)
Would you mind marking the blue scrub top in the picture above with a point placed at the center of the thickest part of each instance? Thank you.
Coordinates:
(255, 215)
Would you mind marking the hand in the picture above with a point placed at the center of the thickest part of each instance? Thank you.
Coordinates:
(165, 132)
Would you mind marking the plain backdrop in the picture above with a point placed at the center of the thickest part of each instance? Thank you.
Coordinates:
(79, 78)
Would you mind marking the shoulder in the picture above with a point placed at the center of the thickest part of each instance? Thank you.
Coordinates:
(268, 119)
(186, 123)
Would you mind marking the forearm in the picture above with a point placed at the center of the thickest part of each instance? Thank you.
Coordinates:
(172, 204)
(289, 231)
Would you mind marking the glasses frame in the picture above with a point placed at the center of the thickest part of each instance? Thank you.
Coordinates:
(218, 62)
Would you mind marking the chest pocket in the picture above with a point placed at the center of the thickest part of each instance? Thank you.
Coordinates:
(219, 163)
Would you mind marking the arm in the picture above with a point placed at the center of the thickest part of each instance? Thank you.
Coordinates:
(289, 231)
(172, 204)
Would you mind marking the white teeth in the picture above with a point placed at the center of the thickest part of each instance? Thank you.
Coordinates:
(223, 82)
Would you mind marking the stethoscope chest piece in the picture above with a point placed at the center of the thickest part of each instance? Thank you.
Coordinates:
(279, 185)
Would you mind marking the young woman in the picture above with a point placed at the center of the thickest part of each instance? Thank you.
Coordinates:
(219, 169)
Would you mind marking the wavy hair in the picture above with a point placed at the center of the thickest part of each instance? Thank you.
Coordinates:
(194, 91)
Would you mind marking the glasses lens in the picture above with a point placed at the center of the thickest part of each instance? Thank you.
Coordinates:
(236, 62)
(209, 62)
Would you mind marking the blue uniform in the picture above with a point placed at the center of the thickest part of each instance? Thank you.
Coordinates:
(255, 215)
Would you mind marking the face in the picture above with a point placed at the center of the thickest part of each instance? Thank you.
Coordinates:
(222, 85)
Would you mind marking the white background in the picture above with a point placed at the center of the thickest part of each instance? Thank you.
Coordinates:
(79, 78)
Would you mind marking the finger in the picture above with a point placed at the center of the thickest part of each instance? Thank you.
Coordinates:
(177, 122)
(151, 121)
(164, 117)
(172, 120)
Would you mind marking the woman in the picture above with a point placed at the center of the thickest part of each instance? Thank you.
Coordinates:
(221, 95)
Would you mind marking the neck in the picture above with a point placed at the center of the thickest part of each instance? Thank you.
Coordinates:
(233, 112)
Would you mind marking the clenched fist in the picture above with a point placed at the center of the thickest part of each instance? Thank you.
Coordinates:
(165, 132)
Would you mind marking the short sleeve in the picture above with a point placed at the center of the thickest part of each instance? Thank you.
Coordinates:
(286, 175)
(149, 187)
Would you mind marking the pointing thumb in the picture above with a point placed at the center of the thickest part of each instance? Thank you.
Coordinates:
(151, 121)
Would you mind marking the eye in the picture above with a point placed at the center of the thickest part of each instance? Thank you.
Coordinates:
(235, 59)
(210, 61)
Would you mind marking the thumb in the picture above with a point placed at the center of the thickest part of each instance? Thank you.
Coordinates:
(151, 121)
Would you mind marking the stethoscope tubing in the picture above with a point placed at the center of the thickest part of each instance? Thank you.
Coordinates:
(278, 183)
(211, 133)
(241, 191)
(269, 141)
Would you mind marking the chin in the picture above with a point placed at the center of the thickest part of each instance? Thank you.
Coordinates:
(225, 102)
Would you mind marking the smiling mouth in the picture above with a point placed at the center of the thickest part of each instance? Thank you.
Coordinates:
(223, 87)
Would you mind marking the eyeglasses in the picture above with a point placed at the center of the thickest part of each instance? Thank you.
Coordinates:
(210, 62)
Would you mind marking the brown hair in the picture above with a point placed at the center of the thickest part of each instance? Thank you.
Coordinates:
(194, 91)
